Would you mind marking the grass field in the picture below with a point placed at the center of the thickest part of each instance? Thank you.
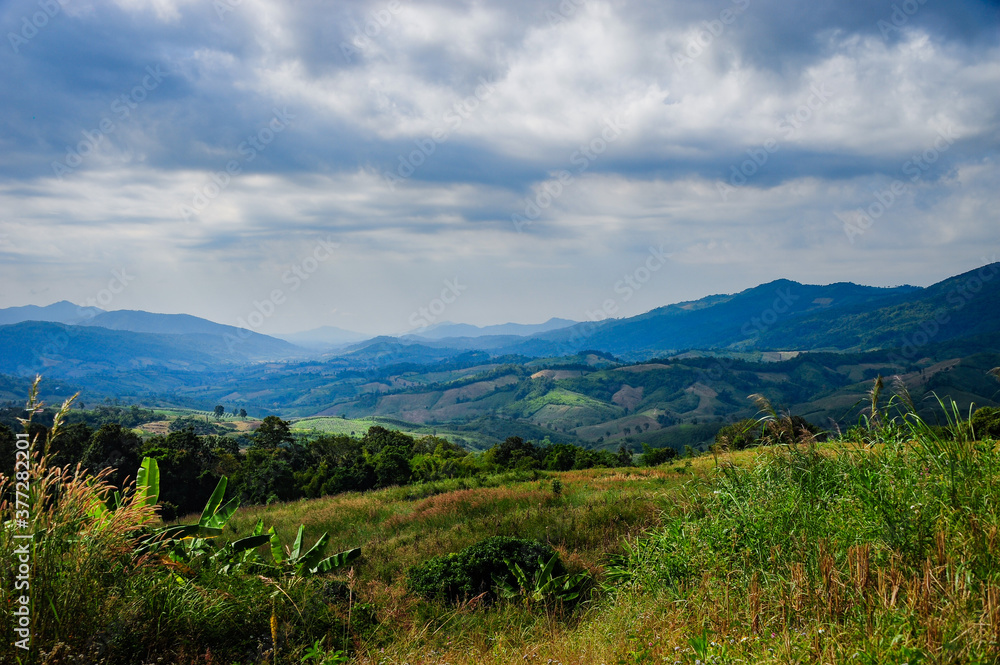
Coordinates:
(339, 426)
(881, 547)
(358, 426)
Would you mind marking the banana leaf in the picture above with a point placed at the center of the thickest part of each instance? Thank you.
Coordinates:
(147, 481)
(214, 516)
(335, 561)
(277, 553)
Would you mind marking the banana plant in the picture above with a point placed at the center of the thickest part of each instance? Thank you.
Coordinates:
(147, 489)
(542, 586)
(302, 564)
(242, 552)
(184, 542)
(147, 482)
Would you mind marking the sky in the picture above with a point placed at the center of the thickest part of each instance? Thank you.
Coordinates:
(381, 166)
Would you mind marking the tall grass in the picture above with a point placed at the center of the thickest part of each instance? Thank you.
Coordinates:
(884, 554)
(96, 599)
(880, 547)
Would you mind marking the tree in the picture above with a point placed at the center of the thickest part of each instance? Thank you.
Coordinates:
(273, 432)
(392, 467)
(265, 475)
(116, 447)
(740, 435)
(513, 450)
(378, 438)
(219, 411)
(243, 414)
(657, 456)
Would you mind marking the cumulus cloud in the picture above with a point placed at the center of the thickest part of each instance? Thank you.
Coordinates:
(537, 150)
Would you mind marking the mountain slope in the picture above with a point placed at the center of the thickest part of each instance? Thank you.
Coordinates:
(448, 329)
(60, 312)
(55, 349)
(959, 307)
(323, 337)
(250, 345)
(720, 321)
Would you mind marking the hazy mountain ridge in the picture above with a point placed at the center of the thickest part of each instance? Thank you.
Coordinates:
(323, 338)
(448, 329)
(545, 383)
(59, 312)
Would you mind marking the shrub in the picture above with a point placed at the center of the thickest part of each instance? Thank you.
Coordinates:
(657, 456)
(740, 435)
(477, 569)
(986, 422)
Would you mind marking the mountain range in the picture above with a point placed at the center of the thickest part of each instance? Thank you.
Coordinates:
(676, 371)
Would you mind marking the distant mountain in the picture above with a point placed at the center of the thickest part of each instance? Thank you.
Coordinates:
(385, 350)
(55, 349)
(324, 337)
(448, 329)
(170, 324)
(735, 321)
(60, 312)
(960, 307)
(252, 345)
(779, 315)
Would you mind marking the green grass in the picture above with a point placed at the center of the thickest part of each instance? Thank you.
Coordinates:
(336, 425)
(881, 548)
(358, 426)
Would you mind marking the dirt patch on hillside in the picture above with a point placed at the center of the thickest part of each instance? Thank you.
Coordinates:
(628, 397)
(473, 391)
(161, 427)
(643, 368)
(557, 374)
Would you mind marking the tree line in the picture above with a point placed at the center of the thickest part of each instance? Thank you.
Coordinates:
(272, 464)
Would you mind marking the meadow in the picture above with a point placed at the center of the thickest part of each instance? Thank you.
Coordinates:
(877, 546)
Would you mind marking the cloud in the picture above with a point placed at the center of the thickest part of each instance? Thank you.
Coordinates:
(416, 133)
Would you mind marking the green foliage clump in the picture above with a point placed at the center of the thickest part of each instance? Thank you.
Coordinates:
(986, 422)
(657, 456)
(199, 426)
(919, 510)
(743, 434)
(479, 569)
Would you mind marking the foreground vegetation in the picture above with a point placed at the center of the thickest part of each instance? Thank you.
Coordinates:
(879, 547)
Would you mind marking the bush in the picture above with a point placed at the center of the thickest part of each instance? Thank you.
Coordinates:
(657, 456)
(740, 435)
(986, 422)
(476, 569)
(198, 425)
